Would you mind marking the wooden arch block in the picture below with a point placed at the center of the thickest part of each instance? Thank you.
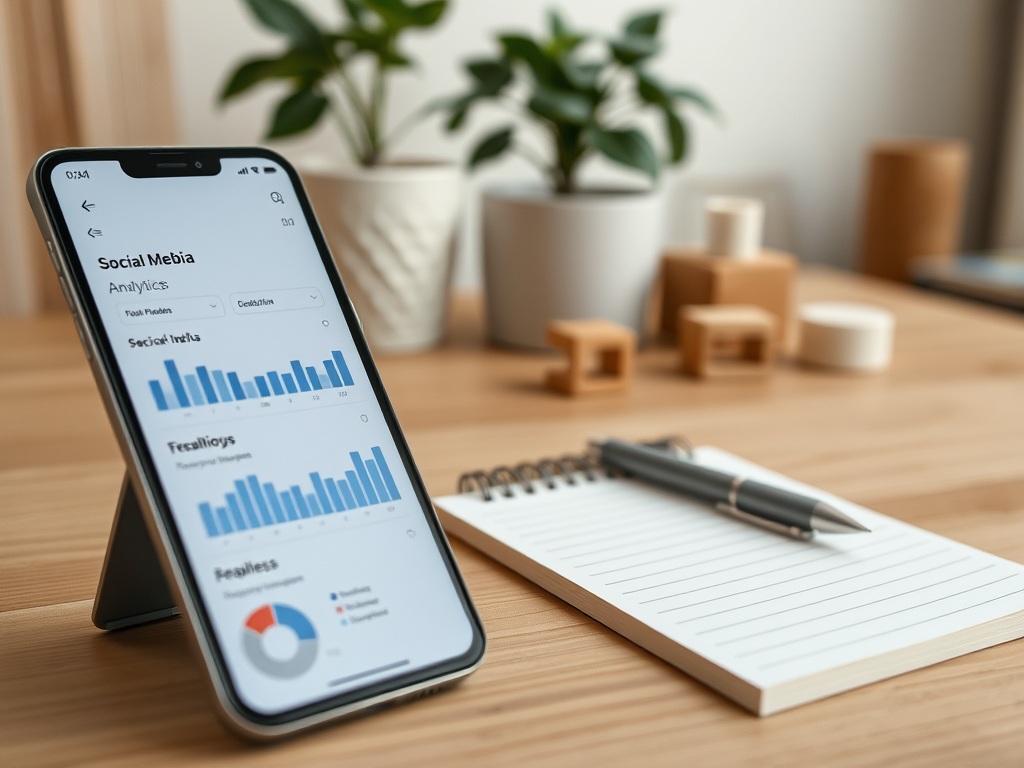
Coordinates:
(612, 347)
(726, 340)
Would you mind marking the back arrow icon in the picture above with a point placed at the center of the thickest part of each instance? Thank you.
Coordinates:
(88, 206)
(95, 232)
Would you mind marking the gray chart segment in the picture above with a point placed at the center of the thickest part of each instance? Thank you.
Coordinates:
(293, 667)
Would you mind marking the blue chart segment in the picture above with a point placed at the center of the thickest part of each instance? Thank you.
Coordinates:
(207, 387)
(256, 504)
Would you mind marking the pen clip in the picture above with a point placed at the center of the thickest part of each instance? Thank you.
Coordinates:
(786, 530)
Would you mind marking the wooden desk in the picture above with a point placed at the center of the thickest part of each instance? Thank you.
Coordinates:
(936, 441)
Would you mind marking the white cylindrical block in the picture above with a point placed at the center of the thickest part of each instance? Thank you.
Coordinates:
(855, 337)
(735, 226)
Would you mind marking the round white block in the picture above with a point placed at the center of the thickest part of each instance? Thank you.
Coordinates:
(735, 226)
(840, 335)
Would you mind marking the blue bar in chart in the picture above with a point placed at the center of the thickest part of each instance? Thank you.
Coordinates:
(252, 503)
(209, 386)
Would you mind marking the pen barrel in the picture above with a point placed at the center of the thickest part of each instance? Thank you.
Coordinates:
(709, 485)
(775, 504)
(657, 467)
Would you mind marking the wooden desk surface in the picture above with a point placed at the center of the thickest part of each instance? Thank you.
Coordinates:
(936, 441)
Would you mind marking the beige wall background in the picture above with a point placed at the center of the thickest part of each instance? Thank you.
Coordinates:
(804, 87)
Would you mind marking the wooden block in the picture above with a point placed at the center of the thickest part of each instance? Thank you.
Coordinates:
(690, 276)
(601, 356)
(914, 204)
(726, 340)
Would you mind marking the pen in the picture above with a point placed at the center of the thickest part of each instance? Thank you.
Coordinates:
(785, 512)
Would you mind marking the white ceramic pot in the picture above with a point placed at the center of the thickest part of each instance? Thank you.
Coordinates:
(392, 231)
(567, 257)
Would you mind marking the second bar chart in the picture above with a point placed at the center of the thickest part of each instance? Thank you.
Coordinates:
(253, 503)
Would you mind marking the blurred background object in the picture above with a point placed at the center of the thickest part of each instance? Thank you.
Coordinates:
(914, 204)
(390, 222)
(735, 226)
(1008, 224)
(575, 248)
(72, 73)
(995, 277)
(815, 86)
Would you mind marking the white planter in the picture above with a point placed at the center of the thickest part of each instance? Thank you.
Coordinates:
(392, 230)
(567, 257)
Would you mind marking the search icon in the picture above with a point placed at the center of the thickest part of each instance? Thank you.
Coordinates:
(276, 197)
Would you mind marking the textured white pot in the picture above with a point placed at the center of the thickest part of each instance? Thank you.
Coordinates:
(565, 257)
(391, 230)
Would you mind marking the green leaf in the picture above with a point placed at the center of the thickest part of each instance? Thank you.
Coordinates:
(354, 9)
(491, 146)
(643, 24)
(545, 69)
(392, 58)
(295, 64)
(288, 19)
(397, 14)
(491, 75)
(627, 147)
(297, 113)
(583, 75)
(557, 24)
(561, 106)
(694, 97)
(651, 91)
(562, 40)
(677, 138)
(459, 109)
(248, 74)
(377, 43)
(630, 49)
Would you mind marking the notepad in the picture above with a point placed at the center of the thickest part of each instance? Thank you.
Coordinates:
(770, 622)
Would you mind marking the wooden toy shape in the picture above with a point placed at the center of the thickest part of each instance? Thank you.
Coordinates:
(914, 204)
(612, 347)
(690, 276)
(728, 340)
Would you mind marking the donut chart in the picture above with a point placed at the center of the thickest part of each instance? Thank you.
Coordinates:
(272, 615)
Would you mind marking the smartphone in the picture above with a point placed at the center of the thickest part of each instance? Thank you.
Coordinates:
(279, 492)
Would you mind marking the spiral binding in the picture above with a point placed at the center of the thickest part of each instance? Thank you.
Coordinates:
(569, 467)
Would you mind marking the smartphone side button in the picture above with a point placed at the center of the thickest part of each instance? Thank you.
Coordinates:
(53, 255)
(82, 338)
(67, 296)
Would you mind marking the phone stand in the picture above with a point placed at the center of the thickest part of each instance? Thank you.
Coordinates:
(132, 587)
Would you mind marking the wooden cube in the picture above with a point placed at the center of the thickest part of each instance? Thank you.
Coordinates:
(601, 356)
(726, 340)
(690, 276)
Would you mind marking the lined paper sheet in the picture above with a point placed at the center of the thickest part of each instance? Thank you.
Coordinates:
(766, 608)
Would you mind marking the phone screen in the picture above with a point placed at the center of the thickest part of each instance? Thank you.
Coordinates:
(311, 552)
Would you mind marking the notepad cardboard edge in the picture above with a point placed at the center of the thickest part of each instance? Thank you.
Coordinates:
(875, 669)
(693, 664)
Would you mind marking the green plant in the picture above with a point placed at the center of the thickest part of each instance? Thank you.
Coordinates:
(582, 101)
(319, 63)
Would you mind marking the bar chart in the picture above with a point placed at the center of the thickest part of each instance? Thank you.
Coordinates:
(255, 504)
(206, 386)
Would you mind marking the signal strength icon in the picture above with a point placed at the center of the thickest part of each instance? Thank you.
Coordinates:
(243, 172)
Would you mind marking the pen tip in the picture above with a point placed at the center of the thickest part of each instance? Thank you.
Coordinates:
(828, 519)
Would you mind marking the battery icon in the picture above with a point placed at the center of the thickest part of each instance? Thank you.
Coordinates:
(269, 169)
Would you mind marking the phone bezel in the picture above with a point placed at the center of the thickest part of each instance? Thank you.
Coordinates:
(127, 421)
